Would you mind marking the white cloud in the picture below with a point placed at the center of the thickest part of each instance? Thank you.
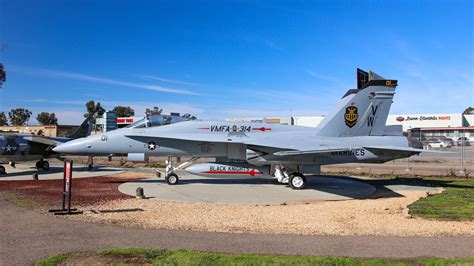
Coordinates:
(84, 77)
(169, 80)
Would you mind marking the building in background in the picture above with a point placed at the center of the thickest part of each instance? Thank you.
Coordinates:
(49, 130)
(107, 122)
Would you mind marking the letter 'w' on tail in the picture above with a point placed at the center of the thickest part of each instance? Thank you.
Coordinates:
(362, 111)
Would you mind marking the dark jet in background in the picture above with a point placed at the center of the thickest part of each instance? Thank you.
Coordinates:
(16, 147)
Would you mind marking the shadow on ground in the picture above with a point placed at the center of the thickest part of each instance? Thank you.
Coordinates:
(331, 184)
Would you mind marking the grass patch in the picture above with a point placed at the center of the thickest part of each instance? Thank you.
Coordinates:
(455, 204)
(20, 201)
(53, 260)
(124, 256)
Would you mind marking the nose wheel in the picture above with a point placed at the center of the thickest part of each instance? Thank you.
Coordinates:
(41, 164)
(297, 181)
(172, 179)
(2, 170)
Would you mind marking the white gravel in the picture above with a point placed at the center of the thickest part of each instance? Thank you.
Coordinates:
(385, 216)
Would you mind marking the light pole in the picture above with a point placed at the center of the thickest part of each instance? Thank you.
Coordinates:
(462, 152)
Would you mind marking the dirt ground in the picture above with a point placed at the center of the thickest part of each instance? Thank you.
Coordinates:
(86, 191)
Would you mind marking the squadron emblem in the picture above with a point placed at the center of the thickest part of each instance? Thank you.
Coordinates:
(350, 117)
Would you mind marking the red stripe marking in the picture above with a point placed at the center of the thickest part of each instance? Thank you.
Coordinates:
(251, 172)
(261, 128)
(203, 128)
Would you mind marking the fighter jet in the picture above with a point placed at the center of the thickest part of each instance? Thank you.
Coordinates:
(16, 147)
(354, 131)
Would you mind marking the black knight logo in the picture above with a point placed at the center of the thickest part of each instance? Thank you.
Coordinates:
(350, 117)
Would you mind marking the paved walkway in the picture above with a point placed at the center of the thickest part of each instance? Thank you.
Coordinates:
(27, 236)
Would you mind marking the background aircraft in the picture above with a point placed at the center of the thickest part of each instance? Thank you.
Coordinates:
(354, 131)
(16, 147)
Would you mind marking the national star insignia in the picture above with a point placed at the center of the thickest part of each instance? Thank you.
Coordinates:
(8, 148)
(151, 145)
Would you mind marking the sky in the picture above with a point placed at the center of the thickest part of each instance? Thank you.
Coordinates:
(222, 59)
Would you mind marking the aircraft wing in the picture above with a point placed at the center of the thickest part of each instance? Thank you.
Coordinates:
(264, 145)
(211, 139)
(42, 140)
(376, 149)
(311, 152)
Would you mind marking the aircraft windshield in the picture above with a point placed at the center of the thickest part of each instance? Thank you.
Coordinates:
(139, 124)
(156, 120)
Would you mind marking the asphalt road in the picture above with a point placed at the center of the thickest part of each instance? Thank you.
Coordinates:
(27, 236)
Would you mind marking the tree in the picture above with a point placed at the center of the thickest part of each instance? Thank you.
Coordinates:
(124, 111)
(189, 116)
(469, 110)
(94, 110)
(154, 111)
(19, 116)
(3, 75)
(45, 118)
(3, 119)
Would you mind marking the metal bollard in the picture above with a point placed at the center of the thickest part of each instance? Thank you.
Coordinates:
(35, 176)
(139, 194)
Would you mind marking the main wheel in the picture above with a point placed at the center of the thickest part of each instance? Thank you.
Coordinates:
(172, 179)
(45, 165)
(39, 165)
(2, 170)
(297, 181)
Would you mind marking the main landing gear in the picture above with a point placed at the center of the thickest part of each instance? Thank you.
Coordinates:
(42, 164)
(170, 176)
(3, 171)
(295, 180)
(90, 163)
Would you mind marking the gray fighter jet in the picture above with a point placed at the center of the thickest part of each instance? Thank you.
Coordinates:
(15, 147)
(354, 131)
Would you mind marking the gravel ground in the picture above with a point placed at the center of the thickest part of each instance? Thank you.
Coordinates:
(384, 216)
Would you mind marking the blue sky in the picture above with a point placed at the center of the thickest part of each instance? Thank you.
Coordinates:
(219, 59)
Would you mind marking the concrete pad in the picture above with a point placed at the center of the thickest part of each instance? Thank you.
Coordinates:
(249, 191)
(397, 188)
(25, 172)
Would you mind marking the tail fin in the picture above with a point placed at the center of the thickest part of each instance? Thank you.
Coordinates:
(84, 130)
(362, 111)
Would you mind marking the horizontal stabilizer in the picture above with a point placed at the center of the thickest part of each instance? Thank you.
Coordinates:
(42, 140)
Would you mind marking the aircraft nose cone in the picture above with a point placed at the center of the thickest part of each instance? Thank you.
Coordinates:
(73, 146)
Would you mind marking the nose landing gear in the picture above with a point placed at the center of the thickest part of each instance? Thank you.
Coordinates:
(170, 176)
(172, 179)
(2, 170)
(42, 164)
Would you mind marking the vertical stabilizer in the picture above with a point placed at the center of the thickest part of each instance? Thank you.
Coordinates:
(362, 111)
(83, 130)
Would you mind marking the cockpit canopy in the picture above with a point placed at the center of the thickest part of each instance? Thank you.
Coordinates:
(157, 120)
